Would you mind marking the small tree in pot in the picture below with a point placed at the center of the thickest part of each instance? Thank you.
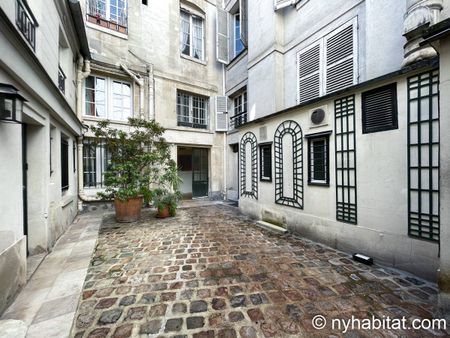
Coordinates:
(167, 198)
(139, 160)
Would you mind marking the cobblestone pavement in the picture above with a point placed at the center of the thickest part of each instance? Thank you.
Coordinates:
(209, 272)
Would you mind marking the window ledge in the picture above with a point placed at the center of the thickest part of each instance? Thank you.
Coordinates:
(98, 119)
(319, 184)
(66, 200)
(190, 58)
(107, 30)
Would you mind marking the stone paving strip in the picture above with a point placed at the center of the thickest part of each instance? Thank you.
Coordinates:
(46, 305)
(210, 272)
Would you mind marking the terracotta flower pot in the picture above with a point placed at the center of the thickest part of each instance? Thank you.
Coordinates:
(164, 213)
(128, 210)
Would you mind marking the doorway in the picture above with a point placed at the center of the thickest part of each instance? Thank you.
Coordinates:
(193, 169)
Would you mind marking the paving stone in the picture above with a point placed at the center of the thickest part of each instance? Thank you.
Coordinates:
(148, 298)
(85, 320)
(238, 301)
(195, 322)
(204, 334)
(99, 333)
(179, 308)
(255, 315)
(136, 313)
(106, 303)
(151, 327)
(227, 333)
(127, 300)
(236, 316)
(219, 304)
(248, 332)
(198, 306)
(123, 331)
(174, 324)
(110, 316)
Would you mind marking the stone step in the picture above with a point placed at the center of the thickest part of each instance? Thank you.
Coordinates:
(271, 227)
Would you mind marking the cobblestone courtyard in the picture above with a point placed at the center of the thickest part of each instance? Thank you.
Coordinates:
(210, 272)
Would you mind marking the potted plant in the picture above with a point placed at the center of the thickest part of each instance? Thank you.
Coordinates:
(167, 198)
(139, 159)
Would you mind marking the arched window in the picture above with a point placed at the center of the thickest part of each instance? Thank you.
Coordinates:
(249, 165)
(288, 142)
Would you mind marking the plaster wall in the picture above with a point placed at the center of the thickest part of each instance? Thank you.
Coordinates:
(382, 228)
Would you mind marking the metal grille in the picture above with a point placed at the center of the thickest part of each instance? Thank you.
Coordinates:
(249, 137)
(379, 109)
(423, 156)
(346, 206)
(292, 128)
(61, 80)
(25, 23)
(95, 163)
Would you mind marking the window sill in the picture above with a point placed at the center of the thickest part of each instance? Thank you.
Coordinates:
(66, 199)
(237, 58)
(319, 184)
(190, 58)
(107, 30)
(267, 180)
(98, 119)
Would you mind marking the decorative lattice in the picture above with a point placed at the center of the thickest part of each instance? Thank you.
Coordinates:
(251, 191)
(289, 128)
(346, 206)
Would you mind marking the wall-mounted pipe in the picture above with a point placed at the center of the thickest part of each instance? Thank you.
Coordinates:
(140, 82)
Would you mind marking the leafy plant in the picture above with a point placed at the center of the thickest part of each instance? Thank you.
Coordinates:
(139, 159)
(163, 198)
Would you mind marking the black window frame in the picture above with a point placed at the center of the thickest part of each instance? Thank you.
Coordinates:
(262, 177)
(394, 106)
(312, 138)
(64, 164)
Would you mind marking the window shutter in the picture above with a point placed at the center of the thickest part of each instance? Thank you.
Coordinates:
(222, 46)
(340, 51)
(309, 65)
(221, 113)
(379, 109)
(243, 8)
(280, 4)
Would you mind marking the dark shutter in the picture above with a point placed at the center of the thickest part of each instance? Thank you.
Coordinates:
(64, 165)
(379, 109)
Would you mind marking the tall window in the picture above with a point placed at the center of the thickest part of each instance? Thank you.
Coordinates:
(192, 111)
(265, 160)
(238, 45)
(95, 163)
(26, 23)
(107, 98)
(64, 165)
(109, 13)
(191, 35)
(240, 110)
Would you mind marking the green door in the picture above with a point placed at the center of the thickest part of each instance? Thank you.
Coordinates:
(199, 172)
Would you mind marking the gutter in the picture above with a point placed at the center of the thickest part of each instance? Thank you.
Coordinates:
(77, 16)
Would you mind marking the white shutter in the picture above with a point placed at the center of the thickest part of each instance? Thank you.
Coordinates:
(222, 38)
(280, 4)
(221, 121)
(243, 9)
(309, 72)
(221, 113)
(341, 62)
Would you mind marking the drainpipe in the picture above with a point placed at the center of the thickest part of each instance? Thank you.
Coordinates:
(225, 163)
(151, 92)
(140, 82)
(81, 75)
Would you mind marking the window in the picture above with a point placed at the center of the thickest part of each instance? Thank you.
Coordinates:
(191, 35)
(238, 45)
(26, 23)
(328, 65)
(95, 163)
(379, 109)
(192, 110)
(265, 160)
(112, 14)
(318, 159)
(61, 80)
(64, 165)
(107, 98)
(240, 110)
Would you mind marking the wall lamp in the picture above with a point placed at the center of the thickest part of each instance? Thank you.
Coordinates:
(11, 104)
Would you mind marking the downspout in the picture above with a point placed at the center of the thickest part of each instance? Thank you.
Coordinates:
(225, 164)
(151, 93)
(83, 71)
(140, 82)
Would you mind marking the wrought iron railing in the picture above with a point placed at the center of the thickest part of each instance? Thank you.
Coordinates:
(61, 80)
(97, 14)
(238, 120)
(26, 23)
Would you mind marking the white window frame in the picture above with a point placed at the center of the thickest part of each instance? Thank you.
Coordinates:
(323, 55)
(191, 35)
(237, 36)
(242, 107)
(107, 14)
(109, 99)
(191, 110)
